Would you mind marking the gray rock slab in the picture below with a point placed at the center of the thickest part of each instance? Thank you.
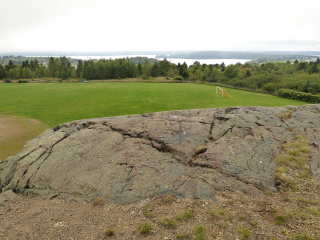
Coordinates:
(190, 153)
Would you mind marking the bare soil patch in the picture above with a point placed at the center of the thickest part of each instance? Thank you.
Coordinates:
(15, 131)
(235, 216)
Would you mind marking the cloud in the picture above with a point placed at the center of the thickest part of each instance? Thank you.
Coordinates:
(110, 25)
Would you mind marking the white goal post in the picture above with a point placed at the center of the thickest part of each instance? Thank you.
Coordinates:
(223, 92)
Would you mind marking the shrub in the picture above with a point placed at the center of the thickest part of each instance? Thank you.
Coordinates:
(145, 76)
(144, 228)
(22, 81)
(301, 96)
(178, 78)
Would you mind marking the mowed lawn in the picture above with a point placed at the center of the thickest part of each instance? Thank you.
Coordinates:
(56, 103)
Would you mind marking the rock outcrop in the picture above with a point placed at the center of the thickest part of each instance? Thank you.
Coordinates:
(190, 153)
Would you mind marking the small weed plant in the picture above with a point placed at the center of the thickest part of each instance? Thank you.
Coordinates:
(281, 216)
(242, 217)
(168, 223)
(98, 202)
(303, 237)
(109, 232)
(286, 115)
(223, 225)
(185, 215)
(200, 233)
(147, 211)
(245, 232)
(144, 228)
(307, 201)
(314, 211)
(254, 223)
(183, 236)
(217, 215)
(169, 198)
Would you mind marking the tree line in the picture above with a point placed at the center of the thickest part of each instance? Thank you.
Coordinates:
(56, 67)
(269, 76)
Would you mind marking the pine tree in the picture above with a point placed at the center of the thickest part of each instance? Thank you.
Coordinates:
(36, 64)
(139, 69)
(154, 70)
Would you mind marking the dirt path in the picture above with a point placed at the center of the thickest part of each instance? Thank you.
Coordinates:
(15, 131)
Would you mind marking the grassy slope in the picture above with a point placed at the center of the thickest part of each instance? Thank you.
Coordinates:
(55, 103)
(15, 131)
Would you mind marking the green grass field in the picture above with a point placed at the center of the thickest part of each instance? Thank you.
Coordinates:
(56, 103)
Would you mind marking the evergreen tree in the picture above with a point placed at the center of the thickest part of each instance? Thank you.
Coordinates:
(35, 64)
(131, 69)
(25, 64)
(248, 73)
(52, 66)
(79, 68)
(164, 67)
(32, 65)
(139, 69)
(314, 68)
(64, 68)
(183, 71)
(10, 65)
(2, 72)
(154, 70)
(222, 66)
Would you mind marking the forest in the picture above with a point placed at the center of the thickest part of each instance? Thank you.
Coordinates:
(301, 76)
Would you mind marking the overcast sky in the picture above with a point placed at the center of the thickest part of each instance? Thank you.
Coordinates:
(147, 25)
